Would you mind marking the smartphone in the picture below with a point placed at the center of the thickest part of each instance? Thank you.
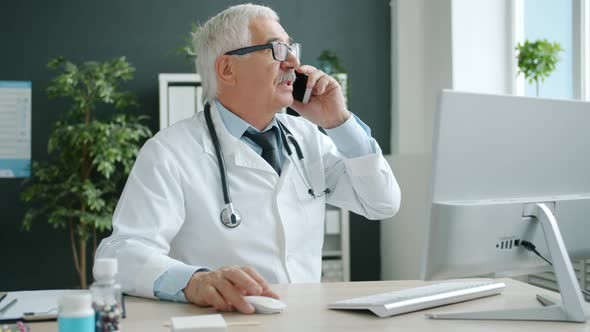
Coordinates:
(300, 91)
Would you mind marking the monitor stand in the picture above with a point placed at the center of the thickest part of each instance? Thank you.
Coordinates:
(571, 307)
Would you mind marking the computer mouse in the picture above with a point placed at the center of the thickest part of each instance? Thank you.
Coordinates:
(265, 305)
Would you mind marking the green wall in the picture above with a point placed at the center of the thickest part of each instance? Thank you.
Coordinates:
(145, 31)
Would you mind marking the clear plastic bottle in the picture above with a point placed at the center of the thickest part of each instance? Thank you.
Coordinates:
(75, 312)
(106, 296)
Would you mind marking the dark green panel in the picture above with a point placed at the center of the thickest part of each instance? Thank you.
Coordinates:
(365, 249)
(145, 31)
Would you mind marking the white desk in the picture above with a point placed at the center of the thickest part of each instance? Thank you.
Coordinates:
(306, 311)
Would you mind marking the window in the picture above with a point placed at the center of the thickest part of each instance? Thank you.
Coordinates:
(565, 22)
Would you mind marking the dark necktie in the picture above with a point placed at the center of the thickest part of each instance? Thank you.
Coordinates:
(268, 142)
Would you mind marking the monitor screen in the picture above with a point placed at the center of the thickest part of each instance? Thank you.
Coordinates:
(493, 156)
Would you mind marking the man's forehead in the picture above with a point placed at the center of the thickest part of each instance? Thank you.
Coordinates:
(266, 30)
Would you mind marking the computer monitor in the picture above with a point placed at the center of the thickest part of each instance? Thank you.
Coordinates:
(494, 158)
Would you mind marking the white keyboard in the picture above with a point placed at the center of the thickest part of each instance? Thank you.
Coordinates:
(418, 298)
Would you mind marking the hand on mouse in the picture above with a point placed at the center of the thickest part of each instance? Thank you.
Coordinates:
(225, 288)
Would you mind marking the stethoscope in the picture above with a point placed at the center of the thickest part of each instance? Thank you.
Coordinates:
(230, 216)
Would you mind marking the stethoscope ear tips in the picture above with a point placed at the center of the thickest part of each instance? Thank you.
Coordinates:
(313, 194)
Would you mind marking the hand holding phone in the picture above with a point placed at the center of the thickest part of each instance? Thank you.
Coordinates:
(300, 90)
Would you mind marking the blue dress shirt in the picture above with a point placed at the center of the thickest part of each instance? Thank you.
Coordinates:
(352, 138)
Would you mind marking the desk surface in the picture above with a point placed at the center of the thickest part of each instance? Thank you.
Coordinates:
(306, 311)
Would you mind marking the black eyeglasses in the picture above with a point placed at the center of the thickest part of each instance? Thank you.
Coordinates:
(280, 51)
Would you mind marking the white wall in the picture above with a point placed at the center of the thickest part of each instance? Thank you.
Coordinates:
(407, 33)
(459, 44)
(421, 64)
(402, 237)
(481, 54)
(421, 33)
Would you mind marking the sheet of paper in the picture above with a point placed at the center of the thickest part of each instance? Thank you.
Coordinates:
(43, 301)
(15, 128)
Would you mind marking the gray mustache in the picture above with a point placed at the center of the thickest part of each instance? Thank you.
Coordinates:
(288, 76)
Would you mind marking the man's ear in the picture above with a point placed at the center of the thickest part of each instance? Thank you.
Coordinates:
(225, 70)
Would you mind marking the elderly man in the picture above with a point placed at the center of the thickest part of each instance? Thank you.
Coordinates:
(170, 236)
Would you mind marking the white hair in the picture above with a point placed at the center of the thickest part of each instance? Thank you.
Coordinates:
(226, 31)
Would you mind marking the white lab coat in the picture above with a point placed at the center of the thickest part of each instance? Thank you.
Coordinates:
(169, 210)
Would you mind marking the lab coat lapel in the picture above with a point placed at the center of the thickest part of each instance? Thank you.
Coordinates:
(297, 137)
(235, 152)
(289, 169)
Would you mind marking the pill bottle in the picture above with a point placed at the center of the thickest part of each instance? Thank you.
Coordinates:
(106, 296)
(75, 312)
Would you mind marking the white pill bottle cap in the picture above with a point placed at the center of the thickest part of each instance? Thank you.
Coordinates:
(104, 268)
(75, 304)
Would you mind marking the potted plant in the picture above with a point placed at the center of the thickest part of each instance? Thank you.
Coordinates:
(537, 60)
(330, 64)
(187, 50)
(91, 151)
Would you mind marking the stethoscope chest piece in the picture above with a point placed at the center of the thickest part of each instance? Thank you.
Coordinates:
(230, 217)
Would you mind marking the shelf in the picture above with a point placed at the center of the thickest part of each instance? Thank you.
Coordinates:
(332, 253)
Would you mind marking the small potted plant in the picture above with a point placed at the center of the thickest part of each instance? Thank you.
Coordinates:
(187, 50)
(91, 152)
(537, 60)
(330, 64)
